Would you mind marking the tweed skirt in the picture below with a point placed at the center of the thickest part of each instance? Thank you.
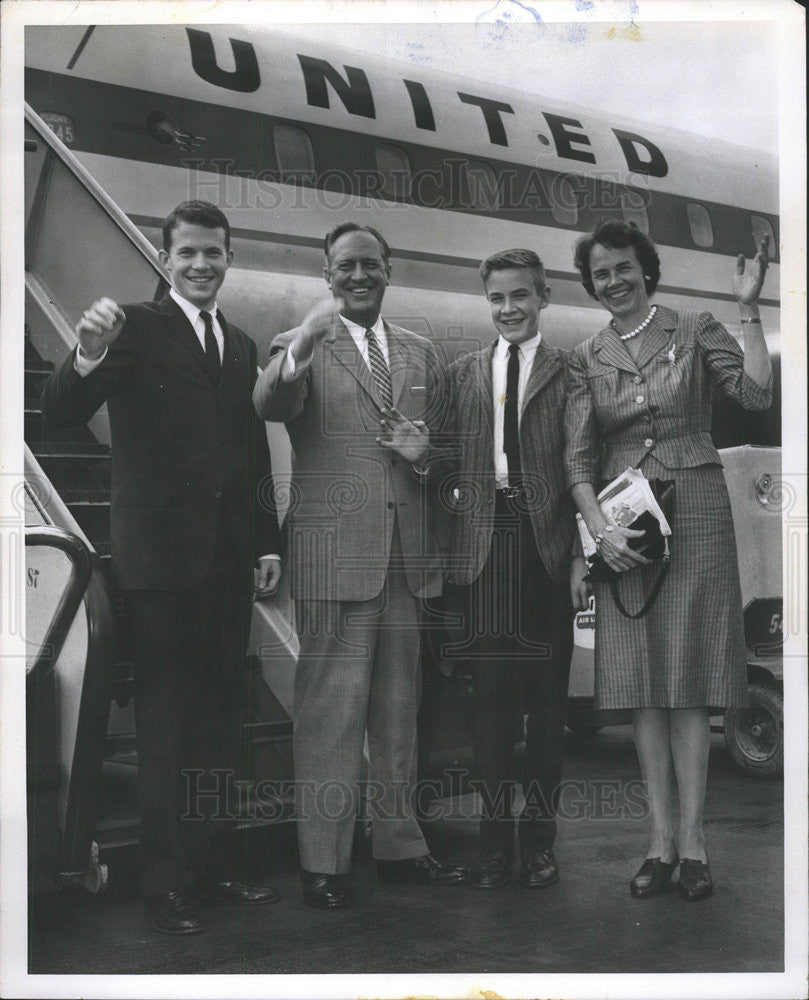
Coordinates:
(689, 650)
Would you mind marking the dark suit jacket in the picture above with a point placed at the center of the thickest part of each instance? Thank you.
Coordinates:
(346, 490)
(472, 473)
(181, 446)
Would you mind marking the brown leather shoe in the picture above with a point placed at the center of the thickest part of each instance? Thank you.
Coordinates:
(538, 869)
(424, 870)
(171, 913)
(653, 877)
(325, 892)
(240, 894)
(695, 880)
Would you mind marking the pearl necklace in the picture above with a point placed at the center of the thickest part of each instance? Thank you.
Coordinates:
(638, 329)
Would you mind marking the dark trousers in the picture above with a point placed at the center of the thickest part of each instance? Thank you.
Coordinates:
(189, 652)
(518, 639)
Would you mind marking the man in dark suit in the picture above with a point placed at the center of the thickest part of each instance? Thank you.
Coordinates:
(511, 576)
(194, 532)
(357, 395)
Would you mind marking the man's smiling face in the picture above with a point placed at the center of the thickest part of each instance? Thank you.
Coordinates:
(197, 262)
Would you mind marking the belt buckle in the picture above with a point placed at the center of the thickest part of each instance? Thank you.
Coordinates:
(510, 492)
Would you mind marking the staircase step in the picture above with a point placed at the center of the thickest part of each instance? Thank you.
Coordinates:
(90, 451)
(35, 377)
(86, 498)
(72, 476)
(93, 515)
(37, 368)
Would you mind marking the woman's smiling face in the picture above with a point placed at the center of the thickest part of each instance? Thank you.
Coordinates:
(618, 282)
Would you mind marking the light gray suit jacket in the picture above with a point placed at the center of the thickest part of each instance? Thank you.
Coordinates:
(469, 484)
(347, 492)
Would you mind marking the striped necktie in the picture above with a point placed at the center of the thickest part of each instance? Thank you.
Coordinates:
(379, 369)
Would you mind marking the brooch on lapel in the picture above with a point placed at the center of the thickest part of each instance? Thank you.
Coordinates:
(672, 356)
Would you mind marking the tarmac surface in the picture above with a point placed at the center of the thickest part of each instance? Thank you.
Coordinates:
(586, 923)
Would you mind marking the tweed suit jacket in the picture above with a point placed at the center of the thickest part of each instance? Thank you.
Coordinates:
(347, 492)
(469, 481)
(620, 410)
(181, 446)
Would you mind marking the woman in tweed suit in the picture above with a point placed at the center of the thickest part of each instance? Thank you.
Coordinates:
(639, 395)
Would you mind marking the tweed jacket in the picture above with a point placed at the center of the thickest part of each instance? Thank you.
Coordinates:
(347, 492)
(182, 445)
(619, 410)
(468, 486)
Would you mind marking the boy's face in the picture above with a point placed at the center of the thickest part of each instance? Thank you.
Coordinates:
(197, 261)
(515, 303)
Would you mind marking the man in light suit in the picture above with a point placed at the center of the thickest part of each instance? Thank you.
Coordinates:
(511, 577)
(192, 514)
(358, 396)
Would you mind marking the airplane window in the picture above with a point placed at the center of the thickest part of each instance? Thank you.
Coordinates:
(395, 174)
(633, 209)
(762, 228)
(564, 201)
(481, 183)
(699, 222)
(293, 150)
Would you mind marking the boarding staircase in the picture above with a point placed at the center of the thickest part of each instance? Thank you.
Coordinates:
(67, 493)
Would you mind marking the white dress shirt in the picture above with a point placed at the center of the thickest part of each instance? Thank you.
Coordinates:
(193, 314)
(528, 349)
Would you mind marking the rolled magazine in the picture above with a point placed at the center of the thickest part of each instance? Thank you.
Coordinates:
(622, 502)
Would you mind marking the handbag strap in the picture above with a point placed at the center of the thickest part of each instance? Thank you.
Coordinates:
(661, 576)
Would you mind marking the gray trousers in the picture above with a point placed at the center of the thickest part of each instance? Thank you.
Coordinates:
(358, 670)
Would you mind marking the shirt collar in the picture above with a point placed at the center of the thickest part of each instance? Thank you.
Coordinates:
(528, 348)
(190, 310)
(358, 332)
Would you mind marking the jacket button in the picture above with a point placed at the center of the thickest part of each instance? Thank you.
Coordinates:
(638, 399)
(637, 380)
(648, 442)
(218, 494)
(391, 505)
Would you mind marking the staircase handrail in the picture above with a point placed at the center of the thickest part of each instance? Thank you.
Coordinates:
(54, 143)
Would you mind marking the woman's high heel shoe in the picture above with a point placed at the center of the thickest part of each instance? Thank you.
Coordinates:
(695, 880)
(653, 877)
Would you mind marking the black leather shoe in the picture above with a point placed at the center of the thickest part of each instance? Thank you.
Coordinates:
(653, 877)
(695, 880)
(171, 913)
(491, 870)
(538, 869)
(424, 870)
(325, 892)
(239, 893)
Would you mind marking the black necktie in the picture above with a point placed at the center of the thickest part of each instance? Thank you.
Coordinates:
(511, 437)
(211, 347)
(379, 369)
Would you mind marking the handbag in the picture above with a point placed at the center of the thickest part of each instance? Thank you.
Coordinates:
(653, 544)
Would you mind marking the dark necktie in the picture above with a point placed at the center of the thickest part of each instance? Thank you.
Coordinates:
(211, 347)
(511, 437)
(379, 369)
